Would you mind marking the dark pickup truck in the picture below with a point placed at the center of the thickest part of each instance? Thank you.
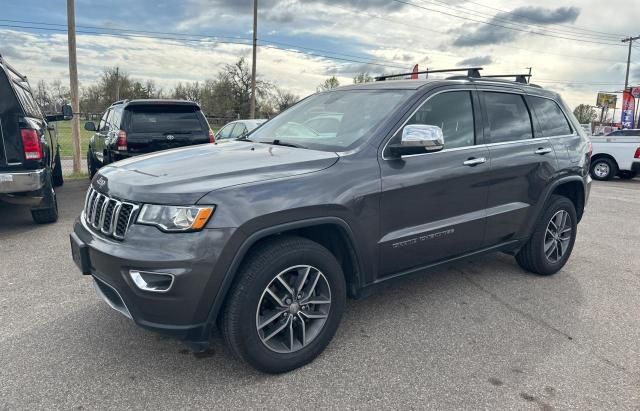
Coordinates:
(133, 127)
(30, 164)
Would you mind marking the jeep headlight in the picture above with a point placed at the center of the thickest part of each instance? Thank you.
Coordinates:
(175, 218)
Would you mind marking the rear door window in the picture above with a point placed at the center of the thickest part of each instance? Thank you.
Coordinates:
(552, 120)
(452, 111)
(174, 120)
(508, 117)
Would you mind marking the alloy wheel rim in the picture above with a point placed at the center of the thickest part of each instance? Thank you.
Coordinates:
(557, 236)
(601, 170)
(293, 309)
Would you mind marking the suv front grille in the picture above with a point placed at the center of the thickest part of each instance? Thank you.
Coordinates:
(109, 216)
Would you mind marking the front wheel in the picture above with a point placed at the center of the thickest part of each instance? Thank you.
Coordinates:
(550, 246)
(285, 306)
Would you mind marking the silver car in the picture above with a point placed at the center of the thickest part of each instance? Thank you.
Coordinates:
(238, 128)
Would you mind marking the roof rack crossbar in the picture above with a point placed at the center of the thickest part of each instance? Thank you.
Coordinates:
(471, 72)
(520, 78)
(12, 69)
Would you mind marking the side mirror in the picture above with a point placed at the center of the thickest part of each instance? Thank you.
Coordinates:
(90, 126)
(418, 139)
(67, 112)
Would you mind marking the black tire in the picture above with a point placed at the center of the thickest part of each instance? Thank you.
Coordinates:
(91, 165)
(239, 317)
(603, 169)
(48, 211)
(58, 180)
(627, 175)
(532, 256)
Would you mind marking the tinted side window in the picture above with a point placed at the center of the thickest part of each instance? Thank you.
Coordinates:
(116, 118)
(508, 117)
(103, 120)
(453, 113)
(552, 120)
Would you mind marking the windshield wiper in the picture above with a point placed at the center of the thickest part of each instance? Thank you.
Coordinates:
(278, 142)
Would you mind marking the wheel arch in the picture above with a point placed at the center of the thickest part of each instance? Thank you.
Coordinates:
(574, 190)
(599, 156)
(331, 232)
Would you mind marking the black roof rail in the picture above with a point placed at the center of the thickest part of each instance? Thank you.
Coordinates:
(119, 102)
(519, 78)
(472, 72)
(14, 75)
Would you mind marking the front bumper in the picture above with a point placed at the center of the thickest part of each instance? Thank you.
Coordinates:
(22, 181)
(193, 259)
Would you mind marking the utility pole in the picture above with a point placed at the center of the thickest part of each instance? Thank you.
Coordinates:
(252, 107)
(630, 41)
(73, 80)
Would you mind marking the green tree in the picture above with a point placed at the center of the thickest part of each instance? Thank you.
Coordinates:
(585, 113)
(328, 84)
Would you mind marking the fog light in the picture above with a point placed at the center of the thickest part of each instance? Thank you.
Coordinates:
(154, 282)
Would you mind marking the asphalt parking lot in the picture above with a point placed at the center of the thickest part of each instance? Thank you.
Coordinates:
(477, 334)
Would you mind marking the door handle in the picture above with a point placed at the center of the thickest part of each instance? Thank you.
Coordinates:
(542, 151)
(475, 161)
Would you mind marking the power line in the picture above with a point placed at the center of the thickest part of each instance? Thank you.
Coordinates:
(613, 35)
(208, 36)
(463, 9)
(123, 35)
(499, 25)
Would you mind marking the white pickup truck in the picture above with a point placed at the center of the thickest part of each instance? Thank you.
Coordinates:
(617, 153)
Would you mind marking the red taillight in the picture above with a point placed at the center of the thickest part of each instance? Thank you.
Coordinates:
(31, 144)
(212, 137)
(121, 144)
(637, 154)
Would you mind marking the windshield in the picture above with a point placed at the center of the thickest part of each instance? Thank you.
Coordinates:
(332, 121)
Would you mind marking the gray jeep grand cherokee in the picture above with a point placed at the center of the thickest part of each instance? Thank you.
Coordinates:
(265, 237)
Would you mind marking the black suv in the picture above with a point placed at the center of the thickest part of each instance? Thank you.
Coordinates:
(30, 165)
(266, 236)
(133, 127)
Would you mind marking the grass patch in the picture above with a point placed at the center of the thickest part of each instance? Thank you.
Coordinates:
(64, 138)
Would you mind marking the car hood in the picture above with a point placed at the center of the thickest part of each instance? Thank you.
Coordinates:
(183, 176)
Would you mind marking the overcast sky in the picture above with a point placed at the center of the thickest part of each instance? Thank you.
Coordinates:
(574, 46)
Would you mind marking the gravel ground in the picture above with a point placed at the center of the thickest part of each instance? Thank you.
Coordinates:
(476, 334)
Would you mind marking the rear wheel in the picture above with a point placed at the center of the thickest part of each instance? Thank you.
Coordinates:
(58, 180)
(603, 169)
(550, 246)
(285, 306)
(48, 211)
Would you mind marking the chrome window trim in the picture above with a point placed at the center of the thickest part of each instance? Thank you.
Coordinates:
(486, 145)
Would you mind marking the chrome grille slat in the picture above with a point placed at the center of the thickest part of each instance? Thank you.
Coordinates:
(108, 215)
